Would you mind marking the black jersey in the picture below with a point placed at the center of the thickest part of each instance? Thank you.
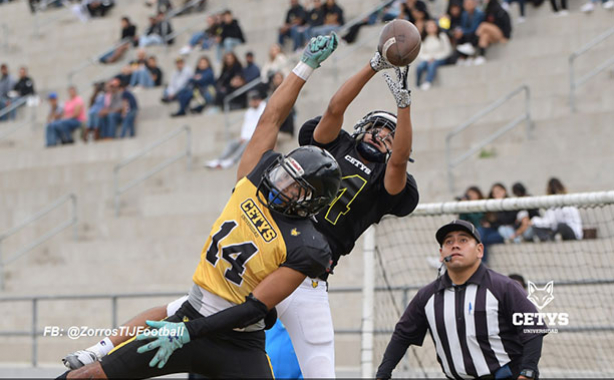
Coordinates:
(362, 199)
(248, 241)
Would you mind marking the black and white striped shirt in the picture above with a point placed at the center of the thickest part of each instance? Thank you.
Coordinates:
(471, 325)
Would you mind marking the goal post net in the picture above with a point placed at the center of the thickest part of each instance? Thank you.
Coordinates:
(582, 272)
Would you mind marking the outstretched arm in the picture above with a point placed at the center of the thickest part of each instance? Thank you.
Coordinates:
(395, 178)
(330, 125)
(282, 101)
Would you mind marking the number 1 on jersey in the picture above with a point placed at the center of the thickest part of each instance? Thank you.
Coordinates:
(237, 255)
(350, 187)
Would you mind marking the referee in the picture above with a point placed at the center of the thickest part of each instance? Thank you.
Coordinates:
(468, 312)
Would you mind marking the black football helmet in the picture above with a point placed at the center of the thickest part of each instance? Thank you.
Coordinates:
(301, 183)
(372, 123)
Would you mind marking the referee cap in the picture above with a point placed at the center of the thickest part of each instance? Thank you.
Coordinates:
(457, 225)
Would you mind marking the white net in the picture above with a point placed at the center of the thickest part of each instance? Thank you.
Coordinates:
(582, 272)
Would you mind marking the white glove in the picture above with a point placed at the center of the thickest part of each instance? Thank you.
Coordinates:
(378, 62)
(398, 87)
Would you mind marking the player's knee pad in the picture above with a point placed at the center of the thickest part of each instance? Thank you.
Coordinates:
(316, 323)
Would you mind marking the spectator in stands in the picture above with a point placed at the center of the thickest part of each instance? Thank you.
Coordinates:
(234, 150)
(497, 227)
(563, 221)
(7, 82)
(231, 35)
(465, 36)
(130, 109)
(333, 19)
(434, 52)
(496, 27)
(522, 225)
(179, 79)
(25, 84)
(125, 75)
(158, 32)
(251, 71)
(141, 73)
(451, 21)
(55, 109)
(417, 14)
(96, 105)
(294, 25)
(473, 193)
(277, 62)
(562, 11)
(129, 38)
(98, 8)
(521, 3)
(155, 71)
(73, 118)
(201, 87)
(231, 67)
(110, 115)
(206, 38)
(315, 18)
(590, 5)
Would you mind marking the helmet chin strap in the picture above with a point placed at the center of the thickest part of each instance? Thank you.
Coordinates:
(371, 153)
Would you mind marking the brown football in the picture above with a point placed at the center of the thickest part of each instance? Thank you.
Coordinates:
(399, 42)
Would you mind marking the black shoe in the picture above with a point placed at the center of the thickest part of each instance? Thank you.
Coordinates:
(177, 114)
(197, 109)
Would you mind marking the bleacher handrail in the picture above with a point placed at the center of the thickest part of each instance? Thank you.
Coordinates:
(72, 222)
(573, 83)
(14, 105)
(526, 116)
(90, 61)
(118, 191)
(190, 25)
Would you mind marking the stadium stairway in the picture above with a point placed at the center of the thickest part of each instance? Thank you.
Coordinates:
(155, 243)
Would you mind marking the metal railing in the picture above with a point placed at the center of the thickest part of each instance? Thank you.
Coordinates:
(59, 228)
(10, 130)
(526, 116)
(233, 95)
(190, 25)
(91, 61)
(118, 191)
(573, 83)
(14, 105)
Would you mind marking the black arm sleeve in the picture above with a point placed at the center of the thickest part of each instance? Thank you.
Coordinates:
(243, 315)
(532, 352)
(394, 353)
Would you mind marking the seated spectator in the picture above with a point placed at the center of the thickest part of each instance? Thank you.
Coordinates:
(231, 35)
(200, 87)
(473, 193)
(206, 38)
(25, 85)
(238, 102)
(419, 16)
(523, 226)
(451, 21)
(96, 105)
(73, 118)
(125, 75)
(277, 62)
(158, 32)
(464, 35)
(497, 227)
(496, 27)
(130, 109)
(111, 113)
(154, 70)
(231, 67)
(251, 71)
(562, 11)
(293, 25)
(145, 72)
(179, 79)
(234, 150)
(409, 6)
(7, 83)
(55, 109)
(563, 221)
(128, 33)
(315, 18)
(99, 8)
(434, 52)
(333, 19)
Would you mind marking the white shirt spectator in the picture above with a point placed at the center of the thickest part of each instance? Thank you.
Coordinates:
(435, 48)
(179, 79)
(552, 217)
(250, 121)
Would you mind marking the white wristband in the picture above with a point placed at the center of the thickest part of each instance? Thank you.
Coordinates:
(302, 70)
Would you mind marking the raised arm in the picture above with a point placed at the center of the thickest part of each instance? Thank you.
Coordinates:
(282, 101)
(330, 125)
(395, 178)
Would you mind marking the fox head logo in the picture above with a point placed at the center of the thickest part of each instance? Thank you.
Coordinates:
(540, 297)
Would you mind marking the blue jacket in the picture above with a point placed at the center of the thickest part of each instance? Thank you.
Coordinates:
(470, 24)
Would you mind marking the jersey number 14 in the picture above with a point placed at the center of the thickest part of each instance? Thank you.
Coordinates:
(237, 255)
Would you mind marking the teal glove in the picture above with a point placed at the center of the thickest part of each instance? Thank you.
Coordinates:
(318, 49)
(168, 337)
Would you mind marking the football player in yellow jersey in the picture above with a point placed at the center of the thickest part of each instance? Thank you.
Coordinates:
(260, 250)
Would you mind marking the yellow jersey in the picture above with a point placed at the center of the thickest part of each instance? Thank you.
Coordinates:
(248, 241)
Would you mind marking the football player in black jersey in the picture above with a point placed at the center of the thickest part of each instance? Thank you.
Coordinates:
(375, 182)
(260, 249)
